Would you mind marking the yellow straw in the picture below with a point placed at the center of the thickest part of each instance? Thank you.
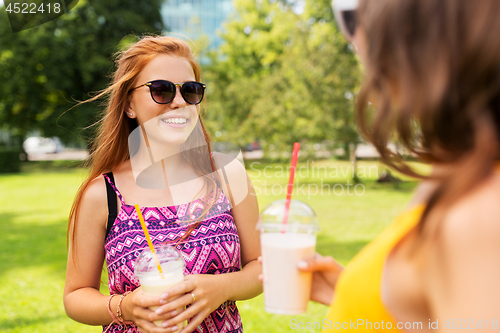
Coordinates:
(150, 243)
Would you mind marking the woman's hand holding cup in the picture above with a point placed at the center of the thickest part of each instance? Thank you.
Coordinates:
(325, 274)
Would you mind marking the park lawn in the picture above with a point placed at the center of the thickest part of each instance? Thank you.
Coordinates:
(33, 219)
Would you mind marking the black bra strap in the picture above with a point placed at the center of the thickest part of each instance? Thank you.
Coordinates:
(112, 203)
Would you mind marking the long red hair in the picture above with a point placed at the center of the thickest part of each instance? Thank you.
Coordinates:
(110, 148)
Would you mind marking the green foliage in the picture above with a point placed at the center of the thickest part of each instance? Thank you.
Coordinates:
(43, 70)
(10, 161)
(281, 77)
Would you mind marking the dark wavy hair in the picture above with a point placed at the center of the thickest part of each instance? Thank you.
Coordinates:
(433, 73)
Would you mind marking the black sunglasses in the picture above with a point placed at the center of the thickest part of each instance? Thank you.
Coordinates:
(163, 91)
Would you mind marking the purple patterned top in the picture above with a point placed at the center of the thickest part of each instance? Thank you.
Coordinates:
(212, 248)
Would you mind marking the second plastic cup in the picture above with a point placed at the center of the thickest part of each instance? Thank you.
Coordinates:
(286, 289)
(154, 283)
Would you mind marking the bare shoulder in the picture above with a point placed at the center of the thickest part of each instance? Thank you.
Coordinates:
(475, 219)
(94, 208)
(227, 160)
(232, 167)
(463, 266)
(233, 174)
(95, 193)
(469, 234)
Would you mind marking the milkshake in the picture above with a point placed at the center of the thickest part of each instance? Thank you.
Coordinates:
(154, 283)
(286, 289)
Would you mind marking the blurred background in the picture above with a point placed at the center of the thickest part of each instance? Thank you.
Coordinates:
(277, 72)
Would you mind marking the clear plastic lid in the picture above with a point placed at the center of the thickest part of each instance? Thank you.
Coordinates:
(301, 217)
(170, 260)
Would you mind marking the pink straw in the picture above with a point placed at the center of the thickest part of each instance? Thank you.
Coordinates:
(295, 156)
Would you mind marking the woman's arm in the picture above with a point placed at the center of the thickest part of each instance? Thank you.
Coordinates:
(83, 301)
(246, 215)
(211, 291)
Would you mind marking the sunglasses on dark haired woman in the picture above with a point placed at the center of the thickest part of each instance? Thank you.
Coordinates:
(163, 91)
(345, 16)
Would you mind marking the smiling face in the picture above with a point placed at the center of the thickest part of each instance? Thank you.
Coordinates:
(170, 123)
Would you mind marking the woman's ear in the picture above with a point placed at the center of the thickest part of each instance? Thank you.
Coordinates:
(128, 110)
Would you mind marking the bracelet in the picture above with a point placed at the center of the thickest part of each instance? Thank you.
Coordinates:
(119, 311)
(115, 320)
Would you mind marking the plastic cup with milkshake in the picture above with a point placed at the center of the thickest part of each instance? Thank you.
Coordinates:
(286, 289)
(155, 282)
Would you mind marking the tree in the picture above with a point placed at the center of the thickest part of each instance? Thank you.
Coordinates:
(254, 40)
(46, 68)
(283, 77)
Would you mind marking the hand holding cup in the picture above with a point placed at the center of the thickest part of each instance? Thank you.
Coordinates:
(325, 273)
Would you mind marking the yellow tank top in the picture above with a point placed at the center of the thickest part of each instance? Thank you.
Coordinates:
(358, 301)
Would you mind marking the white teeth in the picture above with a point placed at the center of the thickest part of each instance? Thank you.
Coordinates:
(174, 120)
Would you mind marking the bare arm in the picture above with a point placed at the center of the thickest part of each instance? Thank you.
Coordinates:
(82, 300)
(246, 215)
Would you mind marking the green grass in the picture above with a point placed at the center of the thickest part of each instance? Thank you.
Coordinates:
(34, 206)
(33, 220)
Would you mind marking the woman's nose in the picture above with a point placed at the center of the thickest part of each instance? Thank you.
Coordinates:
(178, 100)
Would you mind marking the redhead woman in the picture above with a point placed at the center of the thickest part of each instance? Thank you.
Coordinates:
(152, 150)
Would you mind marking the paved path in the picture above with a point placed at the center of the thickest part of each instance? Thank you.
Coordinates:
(65, 155)
(362, 151)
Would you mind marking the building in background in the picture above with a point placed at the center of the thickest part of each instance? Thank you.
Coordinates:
(197, 18)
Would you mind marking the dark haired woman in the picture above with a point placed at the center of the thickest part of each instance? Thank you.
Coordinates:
(433, 76)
